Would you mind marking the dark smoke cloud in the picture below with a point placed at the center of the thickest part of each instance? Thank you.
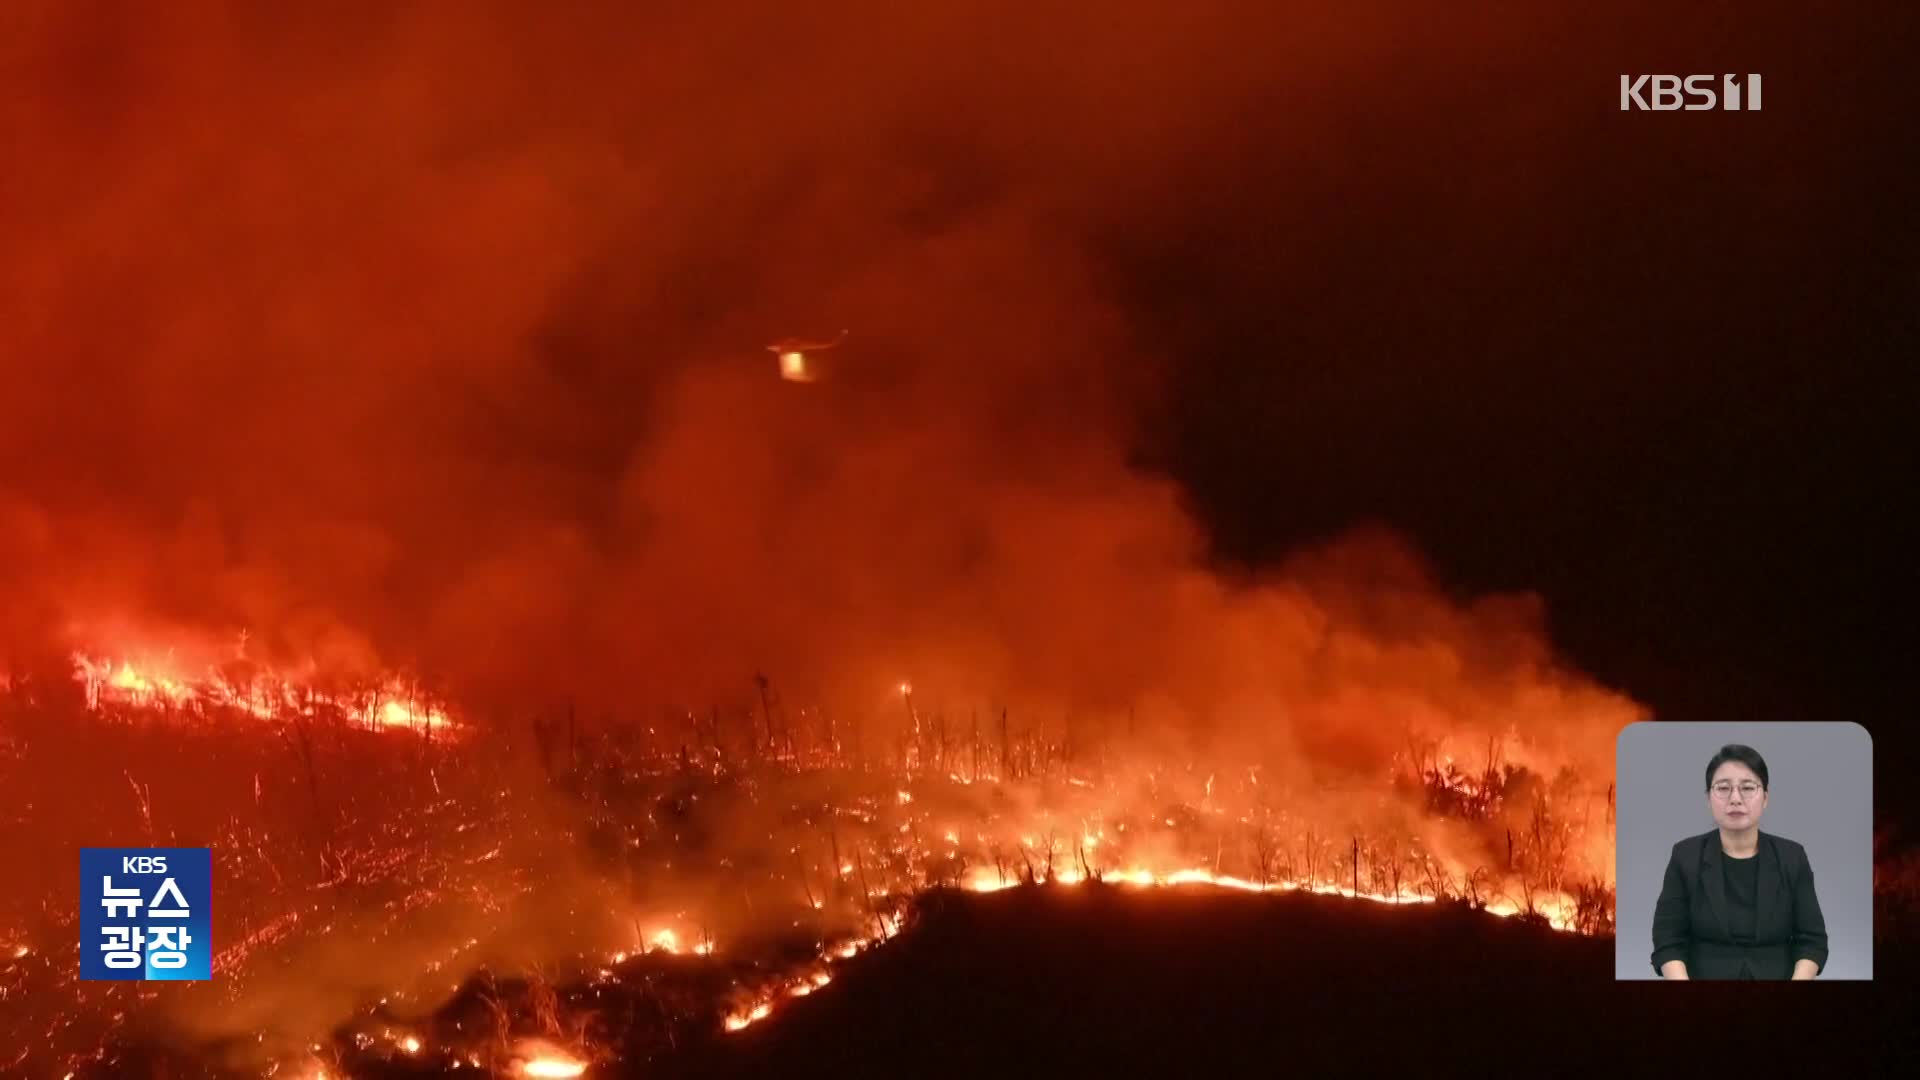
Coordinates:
(408, 339)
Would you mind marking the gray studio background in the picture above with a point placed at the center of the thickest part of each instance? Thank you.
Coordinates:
(1820, 793)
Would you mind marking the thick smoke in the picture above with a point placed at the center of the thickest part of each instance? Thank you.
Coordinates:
(406, 342)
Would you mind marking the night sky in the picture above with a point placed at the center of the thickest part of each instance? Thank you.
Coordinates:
(1650, 365)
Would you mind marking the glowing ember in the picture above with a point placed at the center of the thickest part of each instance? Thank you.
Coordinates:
(987, 879)
(740, 1020)
(543, 1059)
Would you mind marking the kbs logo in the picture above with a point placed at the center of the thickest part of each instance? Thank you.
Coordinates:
(1694, 93)
(146, 913)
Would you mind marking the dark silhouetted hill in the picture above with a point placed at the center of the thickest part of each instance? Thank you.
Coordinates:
(1191, 981)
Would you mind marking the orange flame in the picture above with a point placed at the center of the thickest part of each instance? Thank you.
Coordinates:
(265, 695)
(544, 1060)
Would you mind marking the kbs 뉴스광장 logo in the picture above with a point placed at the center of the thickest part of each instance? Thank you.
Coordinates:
(146, 913)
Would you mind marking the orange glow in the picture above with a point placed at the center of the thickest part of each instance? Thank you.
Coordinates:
(266, 694)
(794, 366)
(544, 1060)
(740, 1020)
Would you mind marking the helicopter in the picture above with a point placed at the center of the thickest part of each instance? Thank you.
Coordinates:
(795, 363)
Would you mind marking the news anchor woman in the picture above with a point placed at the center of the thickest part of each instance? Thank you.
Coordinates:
(1738, 903)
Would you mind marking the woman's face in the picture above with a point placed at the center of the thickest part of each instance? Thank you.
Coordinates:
(1736, 797)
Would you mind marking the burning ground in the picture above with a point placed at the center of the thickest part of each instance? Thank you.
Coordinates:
(403, 886)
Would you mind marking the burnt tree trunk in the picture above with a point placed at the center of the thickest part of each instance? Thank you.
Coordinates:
(975, 774)
(766, 710)
(1003, 742)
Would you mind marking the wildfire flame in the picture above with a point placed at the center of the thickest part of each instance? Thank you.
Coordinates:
(548, 1062)
(262, 693)
(933, 816)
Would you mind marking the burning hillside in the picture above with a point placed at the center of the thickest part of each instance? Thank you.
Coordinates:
(402, 882)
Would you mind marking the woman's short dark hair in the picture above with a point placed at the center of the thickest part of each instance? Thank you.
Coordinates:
(1745, 755)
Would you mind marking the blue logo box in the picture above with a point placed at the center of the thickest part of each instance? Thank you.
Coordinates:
(146, 914)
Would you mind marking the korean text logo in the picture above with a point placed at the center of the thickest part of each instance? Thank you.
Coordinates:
(1694, 93)
(146, 913)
